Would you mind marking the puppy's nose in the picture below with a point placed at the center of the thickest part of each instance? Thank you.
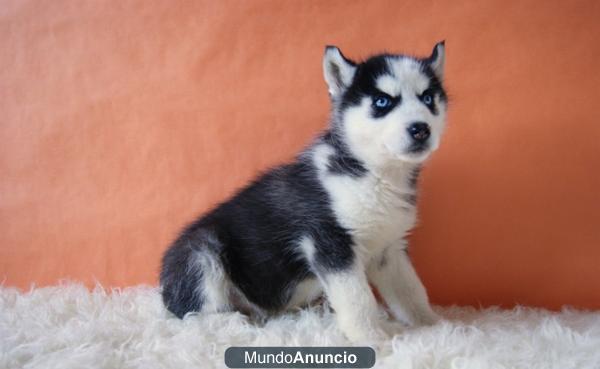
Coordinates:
(419, 131)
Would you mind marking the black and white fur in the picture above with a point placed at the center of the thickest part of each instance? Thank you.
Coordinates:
(333, 220)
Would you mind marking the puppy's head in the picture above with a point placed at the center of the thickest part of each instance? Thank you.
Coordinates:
(388, 108)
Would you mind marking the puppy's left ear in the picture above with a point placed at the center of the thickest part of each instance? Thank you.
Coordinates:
(338, 70)
(436, 60)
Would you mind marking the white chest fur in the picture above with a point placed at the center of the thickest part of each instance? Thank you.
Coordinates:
(377, 210)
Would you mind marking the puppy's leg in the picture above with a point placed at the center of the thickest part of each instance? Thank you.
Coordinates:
(355, 306)
(395, 278)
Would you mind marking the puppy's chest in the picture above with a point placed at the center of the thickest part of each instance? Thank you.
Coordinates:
(376, 213)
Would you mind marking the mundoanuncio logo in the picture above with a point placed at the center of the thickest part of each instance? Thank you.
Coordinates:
(299, 357)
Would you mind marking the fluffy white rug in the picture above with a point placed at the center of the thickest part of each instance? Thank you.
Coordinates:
(70, 327)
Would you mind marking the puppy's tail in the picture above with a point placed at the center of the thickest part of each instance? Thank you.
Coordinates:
(192, 277)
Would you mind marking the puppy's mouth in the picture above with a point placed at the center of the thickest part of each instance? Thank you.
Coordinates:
(413, 154)
(418, 148)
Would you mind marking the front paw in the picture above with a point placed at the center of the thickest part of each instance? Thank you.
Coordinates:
(426, 319)
(415, 317)
(369, 335)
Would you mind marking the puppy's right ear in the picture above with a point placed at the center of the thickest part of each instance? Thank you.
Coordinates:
(338, 70)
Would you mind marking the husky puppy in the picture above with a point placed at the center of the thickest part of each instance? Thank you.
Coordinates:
(335, 219)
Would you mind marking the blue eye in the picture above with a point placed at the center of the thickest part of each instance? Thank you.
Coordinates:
(382, 102)
(427, 99)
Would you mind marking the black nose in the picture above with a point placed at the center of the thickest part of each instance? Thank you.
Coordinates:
(419, 131)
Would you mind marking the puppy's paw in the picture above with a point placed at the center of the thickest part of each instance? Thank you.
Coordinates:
(394, 327)
(365, 333)
(426, 319)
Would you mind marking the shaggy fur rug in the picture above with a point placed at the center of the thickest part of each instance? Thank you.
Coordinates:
(70, 327)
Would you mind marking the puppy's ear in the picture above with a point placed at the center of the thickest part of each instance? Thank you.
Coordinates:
(338, 70)
(436, 60)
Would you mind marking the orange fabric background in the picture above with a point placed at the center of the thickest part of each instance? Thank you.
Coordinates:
(122, 120)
